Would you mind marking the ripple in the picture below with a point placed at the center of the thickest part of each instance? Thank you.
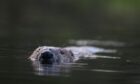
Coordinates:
(105, 70)
(107, 57)
(97, 42)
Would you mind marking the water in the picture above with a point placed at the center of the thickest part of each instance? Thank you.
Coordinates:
(111, 68)
(110, 25)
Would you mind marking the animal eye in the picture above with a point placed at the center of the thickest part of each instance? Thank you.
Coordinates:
(62, 52)
(50, 49)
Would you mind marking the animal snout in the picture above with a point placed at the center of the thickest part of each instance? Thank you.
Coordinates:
(46, 58)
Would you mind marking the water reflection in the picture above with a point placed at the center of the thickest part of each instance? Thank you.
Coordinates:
(50, 70)
(97, 42)
(107, 71)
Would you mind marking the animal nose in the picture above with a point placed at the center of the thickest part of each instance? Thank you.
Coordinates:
(47, 55)
(46, 58)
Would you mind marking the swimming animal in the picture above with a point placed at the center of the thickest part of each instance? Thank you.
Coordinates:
(58, 55)
(51, 61)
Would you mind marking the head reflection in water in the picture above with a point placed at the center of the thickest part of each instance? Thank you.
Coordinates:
(52, 61)
(50, 69)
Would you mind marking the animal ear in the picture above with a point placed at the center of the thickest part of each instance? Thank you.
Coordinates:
(67, 52)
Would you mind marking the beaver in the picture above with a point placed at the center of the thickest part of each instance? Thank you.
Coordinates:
(50, 60)
(58, 55)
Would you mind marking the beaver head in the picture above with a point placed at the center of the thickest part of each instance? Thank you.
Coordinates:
(51, 55)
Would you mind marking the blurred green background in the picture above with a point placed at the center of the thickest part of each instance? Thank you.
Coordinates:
(37, 21)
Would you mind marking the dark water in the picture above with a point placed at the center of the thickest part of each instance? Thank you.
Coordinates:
(113, 25)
